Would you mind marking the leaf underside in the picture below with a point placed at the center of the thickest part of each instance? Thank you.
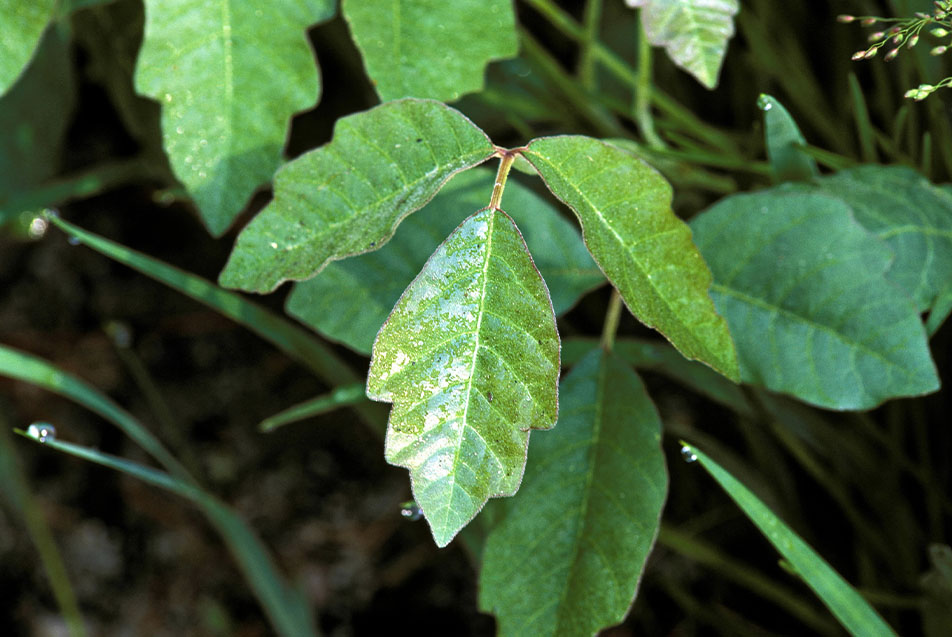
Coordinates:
(624, 207)
(801, 285)
(693, 32)
(348, 196)
(350, 299)
(580, 529)
(470, 360)
(430, 48)
(229, 76)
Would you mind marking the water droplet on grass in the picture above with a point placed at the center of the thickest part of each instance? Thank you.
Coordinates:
(764, 103)
(688, 454)
(73, 241)
(38, 227)
(411, 511)
(41, 431)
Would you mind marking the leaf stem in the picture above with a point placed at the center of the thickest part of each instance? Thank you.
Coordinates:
(612, 318)
(642, 114)
(506, 158)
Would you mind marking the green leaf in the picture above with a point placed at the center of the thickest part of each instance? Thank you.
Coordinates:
(350, 299)
(847, 605)
(567, 557)
(624, 207)
(21, 25)
(802, 286)
(784, 140)
(693, 32)
(911, 216)
(430, 48)
(229, 76)
(470, 360)
(349, 196)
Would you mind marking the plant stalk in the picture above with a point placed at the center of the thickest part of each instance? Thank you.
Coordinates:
(612, 318)
(505, 164)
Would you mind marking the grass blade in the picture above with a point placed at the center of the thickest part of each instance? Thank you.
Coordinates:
(853, 612)
(17, 492)
(341, 397)
(289, 613)
(28, 368)
(294, 341)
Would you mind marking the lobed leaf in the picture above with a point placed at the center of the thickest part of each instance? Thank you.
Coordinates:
(348, 196)
(624, 207)
(693, 32)
(430, 48)
(849, 607)
(350, 299)
(802, 286)
(911, 216)
(783, 139)
(580, 529)
(470, 360)
(229, 76)
(21, 25)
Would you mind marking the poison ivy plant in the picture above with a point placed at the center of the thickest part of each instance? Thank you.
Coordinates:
(803, 288)
(693, 32)
(350, 299)
(349, 196)
(580, 529)
(469, 357)
(229, 76)
(430, 48)
(624, 207)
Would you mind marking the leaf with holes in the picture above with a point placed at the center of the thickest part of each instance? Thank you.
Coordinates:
(624, 207)
(430, 48)
(802, 286)
(348, 196)
(580, 529)
(693, 32)
(470, 360)
(350, 299)
(229, 76)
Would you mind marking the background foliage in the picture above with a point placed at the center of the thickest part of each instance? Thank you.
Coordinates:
(161, 125)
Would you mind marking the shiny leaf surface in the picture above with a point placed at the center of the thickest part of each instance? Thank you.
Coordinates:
(430, 48)
(567, 557)
(802, 287)
(229, 76)
(470, 360)
(348, 196)
(624, 207)
(693, 32)
(350, 299)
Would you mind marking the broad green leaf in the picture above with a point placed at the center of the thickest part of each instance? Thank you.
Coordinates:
(470, 360)
(911, 216)
(783, 137)
(21, 25)
(567, 557)
(430, 48)
(802, 286)
(693, 32)
(350, 299)
(348, 196)
(846, 604)
(229, 76)
(624, 207)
